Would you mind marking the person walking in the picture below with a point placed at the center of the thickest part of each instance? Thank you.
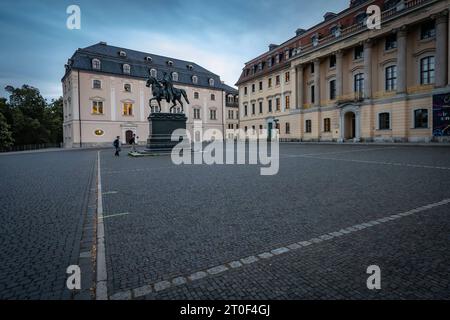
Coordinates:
(116, 145)
(133, 143)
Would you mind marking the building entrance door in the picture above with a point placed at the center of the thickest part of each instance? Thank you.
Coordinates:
(128, 136)
(349, 126)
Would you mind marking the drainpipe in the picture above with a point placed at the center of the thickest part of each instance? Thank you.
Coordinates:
(79, 107)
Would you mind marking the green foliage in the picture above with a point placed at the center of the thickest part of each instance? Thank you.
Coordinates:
(6, 139)
(30, 118)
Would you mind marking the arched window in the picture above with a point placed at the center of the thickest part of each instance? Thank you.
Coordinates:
(96, 64)
(194, 79)
(211, 82)
(153, 73)
(126, 69)
(174, 76)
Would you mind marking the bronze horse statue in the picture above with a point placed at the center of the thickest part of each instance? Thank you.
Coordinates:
(167, 92)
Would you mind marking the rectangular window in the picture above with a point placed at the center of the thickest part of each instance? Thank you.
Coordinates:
(96, 84)
(288, 128)
(287, 77)
(196, 95)
(332, 61)
(196, 114)
(277, 80)
(428, 30)
(269, 83)
(327, 125)
(313, 92)
(127, 109)
(253, 88)
(212, 114)
(253, 108)
(245, 90)
(213, 97)
(260, 107)
(288, 102)
(358, 85)
(384, 121)
(127, 87)
(333, 90)
(359, 52)
(97, 107)
(391, 78)
(421, 118)
(245, 110)
(427, 68)
(278, 104)
(260, 86)
(391, 42)
(312, 68)
(270, 105)
(308, 126)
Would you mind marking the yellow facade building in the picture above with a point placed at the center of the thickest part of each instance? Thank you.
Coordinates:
(343, 81)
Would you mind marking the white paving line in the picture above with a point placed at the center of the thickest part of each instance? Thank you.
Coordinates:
(166, 284)
(383, 163)
(110, 192)
(115, 215)
(336, 152)
(101, 292)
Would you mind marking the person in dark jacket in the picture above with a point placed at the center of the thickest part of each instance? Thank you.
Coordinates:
(133, 143)
(116, 145)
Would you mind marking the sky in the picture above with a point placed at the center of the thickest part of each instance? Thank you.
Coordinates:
(218, 35)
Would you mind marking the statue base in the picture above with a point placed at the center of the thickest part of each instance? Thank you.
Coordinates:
(162, 126)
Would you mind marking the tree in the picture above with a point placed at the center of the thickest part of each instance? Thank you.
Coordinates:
(54, 120)
(6, 139)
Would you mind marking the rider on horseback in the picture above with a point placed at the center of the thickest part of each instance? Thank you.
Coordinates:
(168, 86)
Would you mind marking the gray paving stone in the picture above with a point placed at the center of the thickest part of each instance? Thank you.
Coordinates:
(279, 251)
(162, 285)
(217, 270)
(142, 291)
(265, 255)
(179, 281)
(197, 275)
(235, 264)
(125, 295)
(249, 260)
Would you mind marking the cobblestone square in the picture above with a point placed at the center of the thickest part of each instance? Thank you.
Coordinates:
(225, 231)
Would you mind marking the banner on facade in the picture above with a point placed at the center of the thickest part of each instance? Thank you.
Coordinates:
(441, 115)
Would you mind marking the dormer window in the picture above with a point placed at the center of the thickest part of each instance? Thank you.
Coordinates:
(190, 67)
(260, 66)
(277, 58)
(170, 63)
(174, 76)
(148, 59)
(315, 40)
(269, 62)
(336, 31)
(194, 79)
(153, 73)
(122, 53)
(126, 69)
(361, 18)
(211, 82)
(96, 64)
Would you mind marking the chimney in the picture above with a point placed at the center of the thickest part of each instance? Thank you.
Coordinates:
(329, 15)
(272, 46)
(299, 31)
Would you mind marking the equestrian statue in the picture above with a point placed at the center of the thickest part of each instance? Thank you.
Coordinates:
(164, 89)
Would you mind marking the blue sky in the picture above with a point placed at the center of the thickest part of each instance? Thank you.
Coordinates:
(219, 35)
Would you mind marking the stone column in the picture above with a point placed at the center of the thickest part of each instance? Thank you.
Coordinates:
(368, 69)
(441, 50)
(401, 59)
(316, 83)
(339, 75)
(299, 86)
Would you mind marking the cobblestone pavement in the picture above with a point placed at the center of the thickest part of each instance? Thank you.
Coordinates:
(227, 232)
(43, 197)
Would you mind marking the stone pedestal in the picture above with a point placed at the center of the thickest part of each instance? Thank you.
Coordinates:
(161, 126)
